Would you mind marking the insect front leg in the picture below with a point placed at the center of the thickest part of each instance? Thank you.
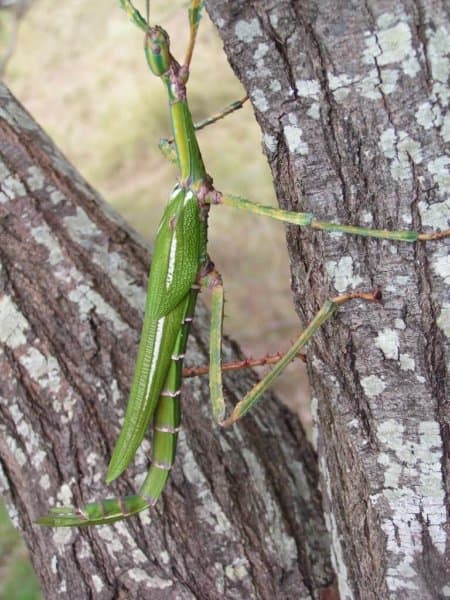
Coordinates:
(166, 145)
(134, 14)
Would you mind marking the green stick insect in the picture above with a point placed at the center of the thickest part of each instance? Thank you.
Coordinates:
(180, 268)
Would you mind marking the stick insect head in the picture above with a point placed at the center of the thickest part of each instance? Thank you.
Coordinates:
(157, 50)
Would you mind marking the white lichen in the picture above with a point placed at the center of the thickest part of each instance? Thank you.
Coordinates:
(260, 100)
(13, 325)
(16, 116)
(35, 179)
(247, 31)
(392, 44)
(294, 139)
(438, 53)
(208, 509)
(373, 385)
(340, 85)
(342, 273)
(401, 149)
(44, 482)
(55, 195)
(314, 111)
(411, 463)
(260, 52)
(270, 142)
(441, 266)
(43, 235)
(435, 216)
(26, 432)
(62, 536)
(369, 86)
(110, 536)
(426, 116)
(407, 363)
(13, 187)
(82, 226)
(238, 570)
(388, 342)
(153, 581)
(275, 85)
(38, 458)
(443, 321)
(64, 495)
(337, 552)
(54, 564)
(4, 171)
(98, 583)
(445, 129)
(284, 545)
(138, 556)
(88, 299)
(440, 170)
(308, 88)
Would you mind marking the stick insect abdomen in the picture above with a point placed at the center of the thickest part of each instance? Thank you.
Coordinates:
(166, 423)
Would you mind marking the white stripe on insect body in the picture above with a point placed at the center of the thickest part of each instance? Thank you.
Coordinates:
(188, 196)
(156, 351)
(166, 429)
(172, 257)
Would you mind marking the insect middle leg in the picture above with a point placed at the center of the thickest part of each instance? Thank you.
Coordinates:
(309, 220)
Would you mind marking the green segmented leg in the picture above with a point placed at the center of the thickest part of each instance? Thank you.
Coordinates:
(167, 146)
(308, 220)
(103, 512)
(134, 14)
(252, 397)
(228, 110)
(194, 16)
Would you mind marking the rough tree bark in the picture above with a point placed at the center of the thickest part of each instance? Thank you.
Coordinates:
(242, 515)
(352, 100)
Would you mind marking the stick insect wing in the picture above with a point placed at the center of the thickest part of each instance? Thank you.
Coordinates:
(174, 271)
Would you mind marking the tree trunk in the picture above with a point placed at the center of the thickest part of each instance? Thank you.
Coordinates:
(241, 517)
(352, 100)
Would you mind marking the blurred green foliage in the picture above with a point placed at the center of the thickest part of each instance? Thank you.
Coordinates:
(17, 579)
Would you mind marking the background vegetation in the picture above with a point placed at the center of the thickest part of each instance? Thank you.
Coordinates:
(78, 68)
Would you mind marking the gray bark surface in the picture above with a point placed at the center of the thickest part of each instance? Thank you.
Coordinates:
(352, 99)
(241, 517)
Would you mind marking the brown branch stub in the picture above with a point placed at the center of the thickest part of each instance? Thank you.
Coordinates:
(238, 365)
